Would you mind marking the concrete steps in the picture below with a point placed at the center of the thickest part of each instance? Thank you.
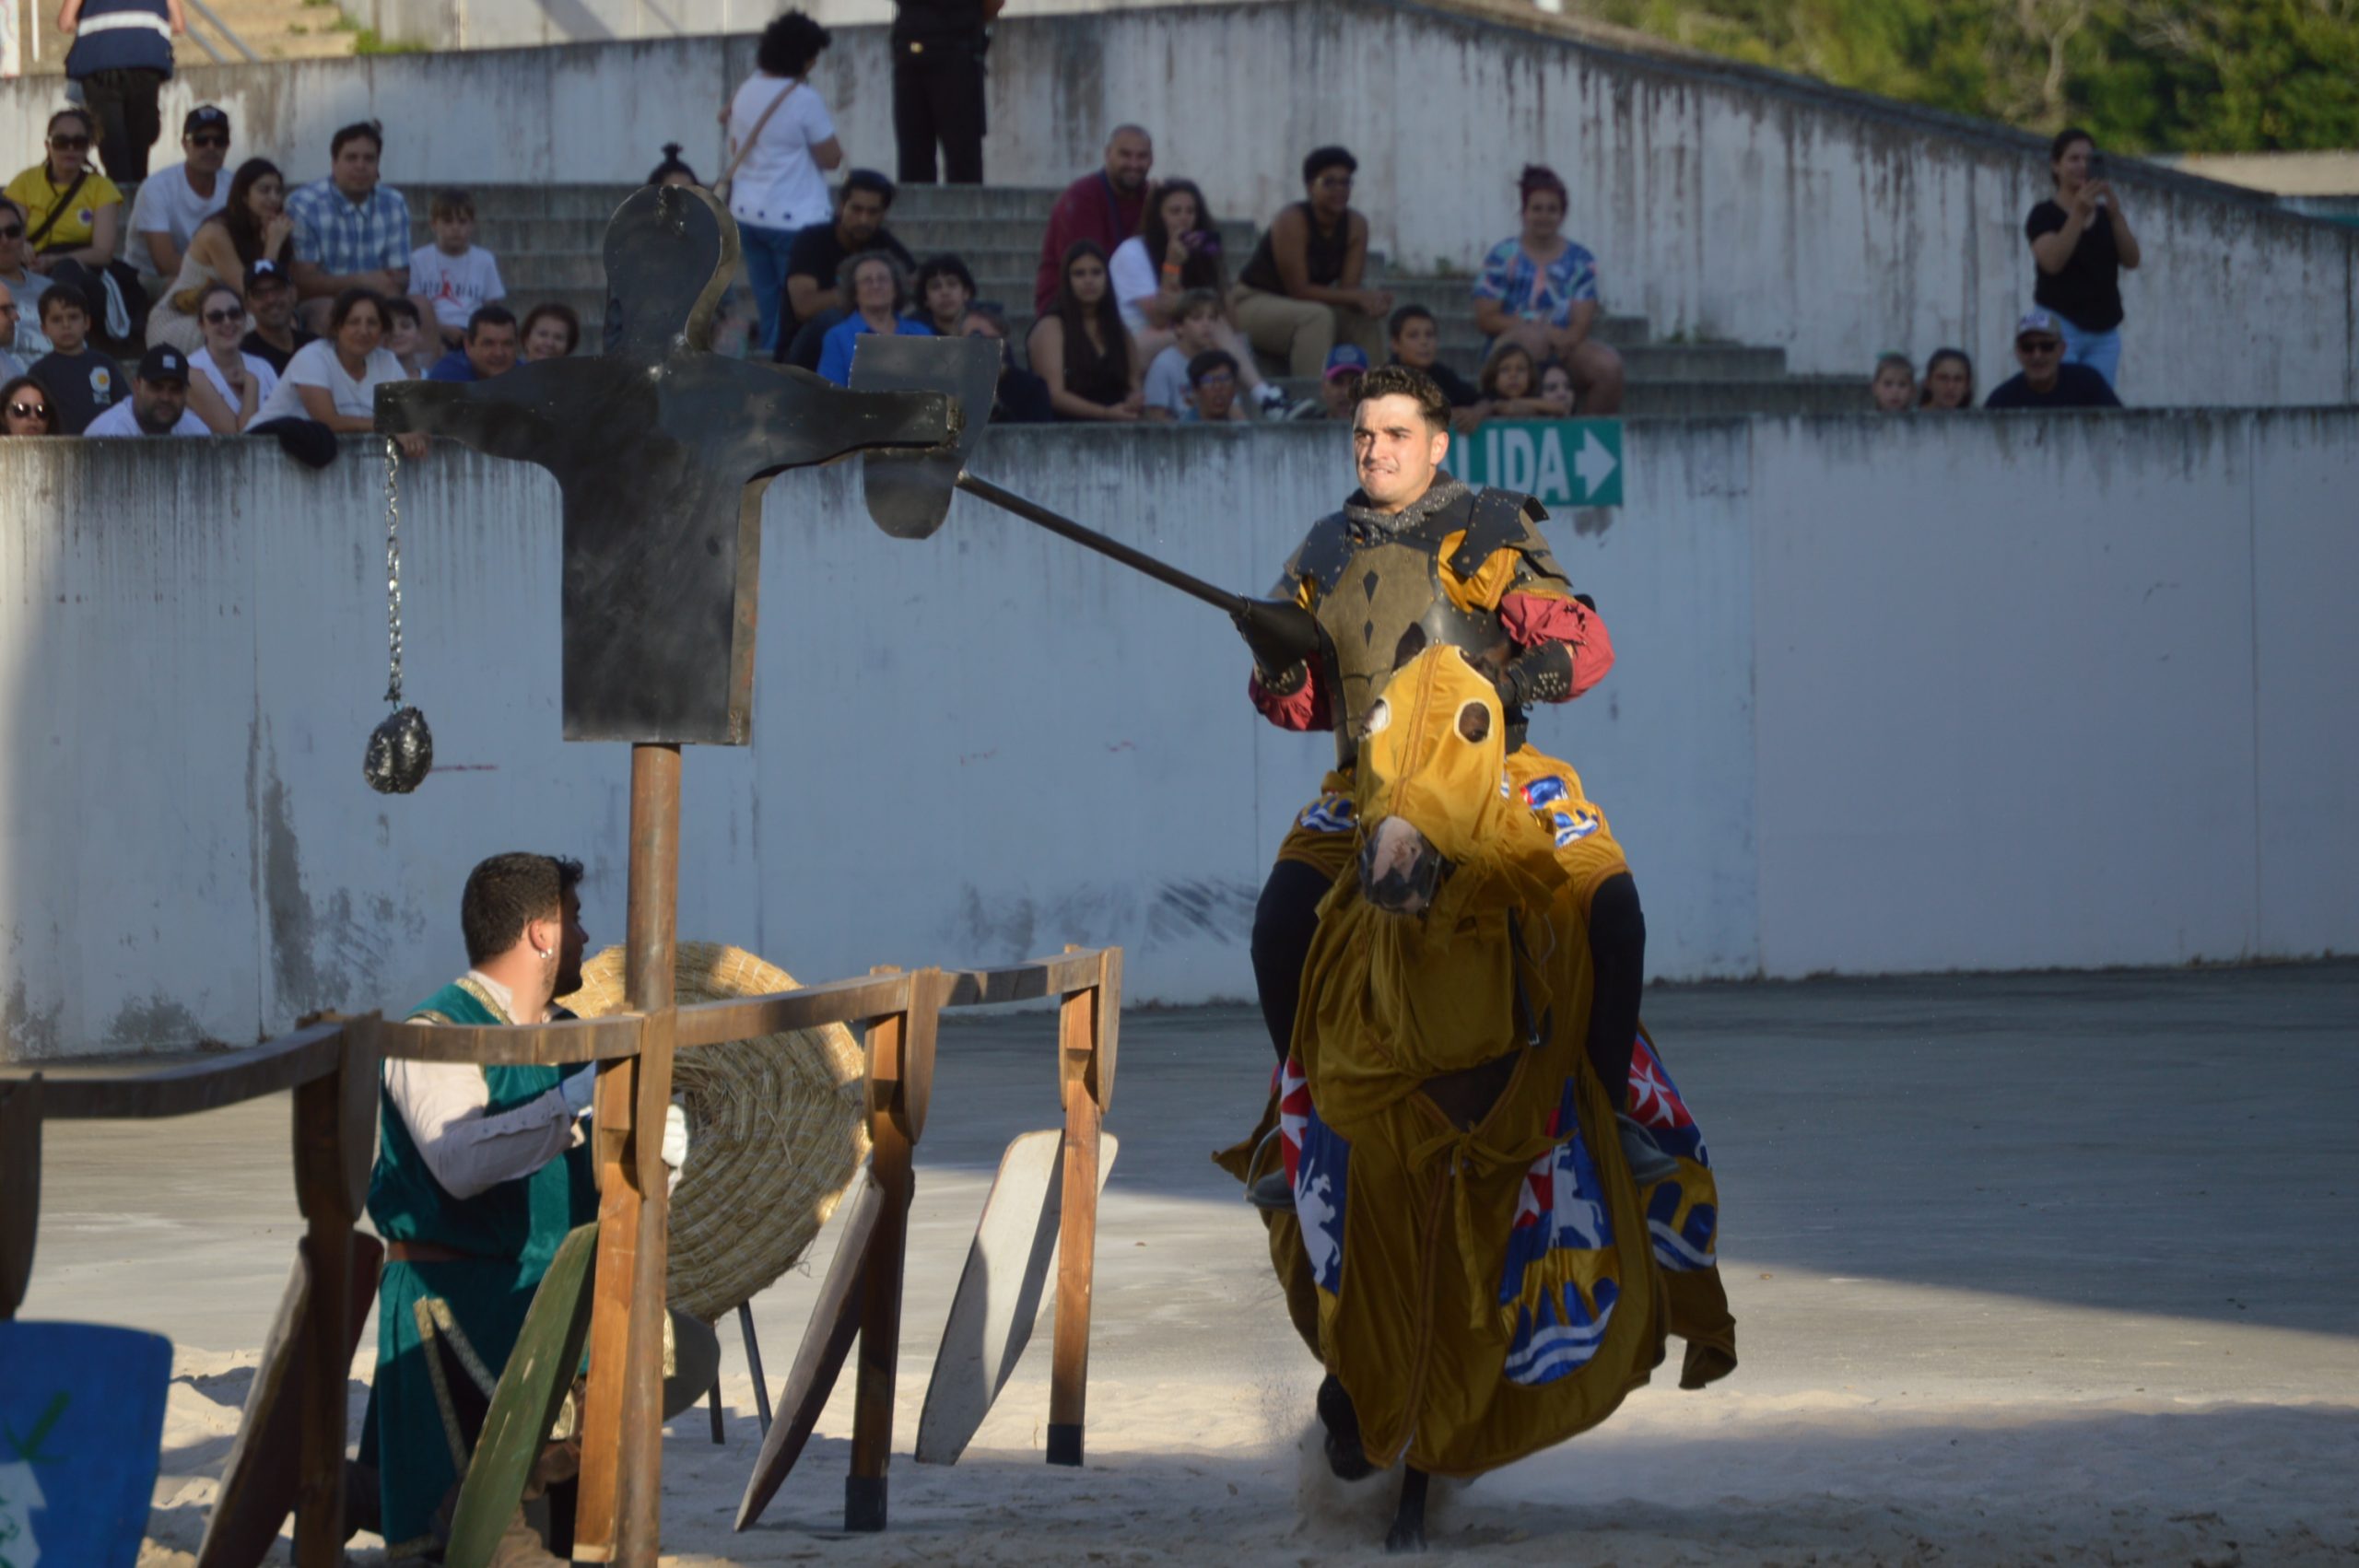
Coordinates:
(548, 237)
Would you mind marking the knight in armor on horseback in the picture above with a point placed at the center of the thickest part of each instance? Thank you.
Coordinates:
(1413, 558)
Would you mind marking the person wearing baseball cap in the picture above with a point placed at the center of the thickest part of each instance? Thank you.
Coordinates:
(2046, 382)
(270, 305)
(172, 202)
(1339, 388)
(159, 404)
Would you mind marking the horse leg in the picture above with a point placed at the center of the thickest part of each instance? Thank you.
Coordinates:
(1345, 1457)
(1408, 1531)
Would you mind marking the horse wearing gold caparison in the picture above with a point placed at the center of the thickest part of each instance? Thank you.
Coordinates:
(1471, 1253)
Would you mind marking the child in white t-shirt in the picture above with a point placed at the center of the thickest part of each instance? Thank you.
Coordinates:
(459, 275)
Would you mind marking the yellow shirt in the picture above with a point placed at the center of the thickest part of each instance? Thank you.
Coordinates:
(32, 190)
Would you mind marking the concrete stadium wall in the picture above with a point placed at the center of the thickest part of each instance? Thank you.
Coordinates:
(1721, 201)
(1891, 695)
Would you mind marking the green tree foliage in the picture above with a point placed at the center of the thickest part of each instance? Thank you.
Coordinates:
(2144, 75)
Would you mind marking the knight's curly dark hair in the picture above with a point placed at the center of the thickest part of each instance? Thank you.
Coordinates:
(789, 44)
(1401, 380)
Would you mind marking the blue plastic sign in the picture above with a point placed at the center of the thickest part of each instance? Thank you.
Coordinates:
(1561, 462)
(81, 1419)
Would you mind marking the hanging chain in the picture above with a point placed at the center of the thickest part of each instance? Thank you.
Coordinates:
(393, 565)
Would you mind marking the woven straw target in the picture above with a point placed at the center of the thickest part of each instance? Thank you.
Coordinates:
(775, 1129)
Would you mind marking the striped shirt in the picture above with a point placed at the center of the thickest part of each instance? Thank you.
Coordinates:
(345, 237)
(1524, 288)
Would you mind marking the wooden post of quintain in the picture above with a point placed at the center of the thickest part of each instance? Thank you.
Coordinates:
(1086, 1025)
(661, 450)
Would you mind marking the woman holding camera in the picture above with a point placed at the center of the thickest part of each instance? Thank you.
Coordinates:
(1177, 249)
(2081, 241)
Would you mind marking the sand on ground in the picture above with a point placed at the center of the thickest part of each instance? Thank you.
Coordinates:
(2026, 1268)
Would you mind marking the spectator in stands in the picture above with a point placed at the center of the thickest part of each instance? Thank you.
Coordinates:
(782, 141)
(159, 400)
(1300, 294)
(1211, 388)
(1894, 385)
(490, 348)
(942, 292)
(1540, 289)
(2079, 242)
(878, 289)
(27, 409)
(25, 281)
(351, 231)
(1949, 380)
(229, 385)
(270, 305)
(551, 331)
(674, 169)
(1079, 347)
(457, 274)
(815, 266)
(1556, 382)
(938, 87)
(334, 381)
(73, 212)
(1105, 206)
(1509, 385)
(82, 381)
(407, 338)
(1416, 342)
(1339, 389)
(1021, 398)
(122, 57)
(172, 202)
(251, 226)
(12, 364)
(1166, 387)
(1176, 254)
(2045, 381)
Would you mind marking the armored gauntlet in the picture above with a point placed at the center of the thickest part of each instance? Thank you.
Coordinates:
(1282, 637)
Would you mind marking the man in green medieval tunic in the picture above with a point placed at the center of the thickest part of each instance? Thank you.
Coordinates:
(481, 1171)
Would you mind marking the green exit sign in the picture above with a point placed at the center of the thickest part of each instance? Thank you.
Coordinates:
(1560, 462)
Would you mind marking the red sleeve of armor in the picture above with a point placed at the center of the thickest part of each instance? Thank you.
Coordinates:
(1305, 707)
(1534, 618)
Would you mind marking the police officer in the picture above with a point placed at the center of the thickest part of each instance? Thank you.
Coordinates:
(122, 56)
(938, 87)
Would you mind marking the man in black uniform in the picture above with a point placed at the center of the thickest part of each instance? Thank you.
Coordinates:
(1416, 557)
(938, 87)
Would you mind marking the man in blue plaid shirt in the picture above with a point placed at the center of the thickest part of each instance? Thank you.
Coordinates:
(350, 231)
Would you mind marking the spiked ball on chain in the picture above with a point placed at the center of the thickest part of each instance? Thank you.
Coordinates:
(401, 749)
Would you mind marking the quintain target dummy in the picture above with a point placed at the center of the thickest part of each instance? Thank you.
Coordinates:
(660, 450)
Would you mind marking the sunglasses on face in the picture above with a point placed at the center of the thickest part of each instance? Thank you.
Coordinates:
(29, 410)
(226, 313)
(70, 144)
(2040, 345)
(209, 139)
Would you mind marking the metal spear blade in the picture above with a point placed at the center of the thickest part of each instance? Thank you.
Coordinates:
(908, 494)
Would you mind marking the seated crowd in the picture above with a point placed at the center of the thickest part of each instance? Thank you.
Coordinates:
(262, 309)
(245, 306)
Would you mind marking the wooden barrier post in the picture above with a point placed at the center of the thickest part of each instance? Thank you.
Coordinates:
(900, 1084)
(335, 1141)
(619, 1517)
(1086, 1025)
(19, 1189)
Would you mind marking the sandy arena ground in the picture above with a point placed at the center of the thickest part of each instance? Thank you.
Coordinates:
(2026, 1269)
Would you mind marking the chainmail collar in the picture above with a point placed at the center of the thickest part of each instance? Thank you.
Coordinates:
(1441, 493)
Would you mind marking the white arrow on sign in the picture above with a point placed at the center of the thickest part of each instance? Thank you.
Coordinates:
(1594, 464)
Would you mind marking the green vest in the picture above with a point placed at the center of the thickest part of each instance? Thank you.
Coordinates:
(525, 1218)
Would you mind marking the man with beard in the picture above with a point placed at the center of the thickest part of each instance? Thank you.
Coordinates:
(481, 1172)
(1414, 558)
(1106, 206)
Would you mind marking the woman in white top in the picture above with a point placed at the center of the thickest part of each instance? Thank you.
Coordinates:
(780, 142)
(252, 225)
(230, 385)
(1177, 248)
(333, 379)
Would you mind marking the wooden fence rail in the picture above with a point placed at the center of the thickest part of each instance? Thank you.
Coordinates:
(334, 1069)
